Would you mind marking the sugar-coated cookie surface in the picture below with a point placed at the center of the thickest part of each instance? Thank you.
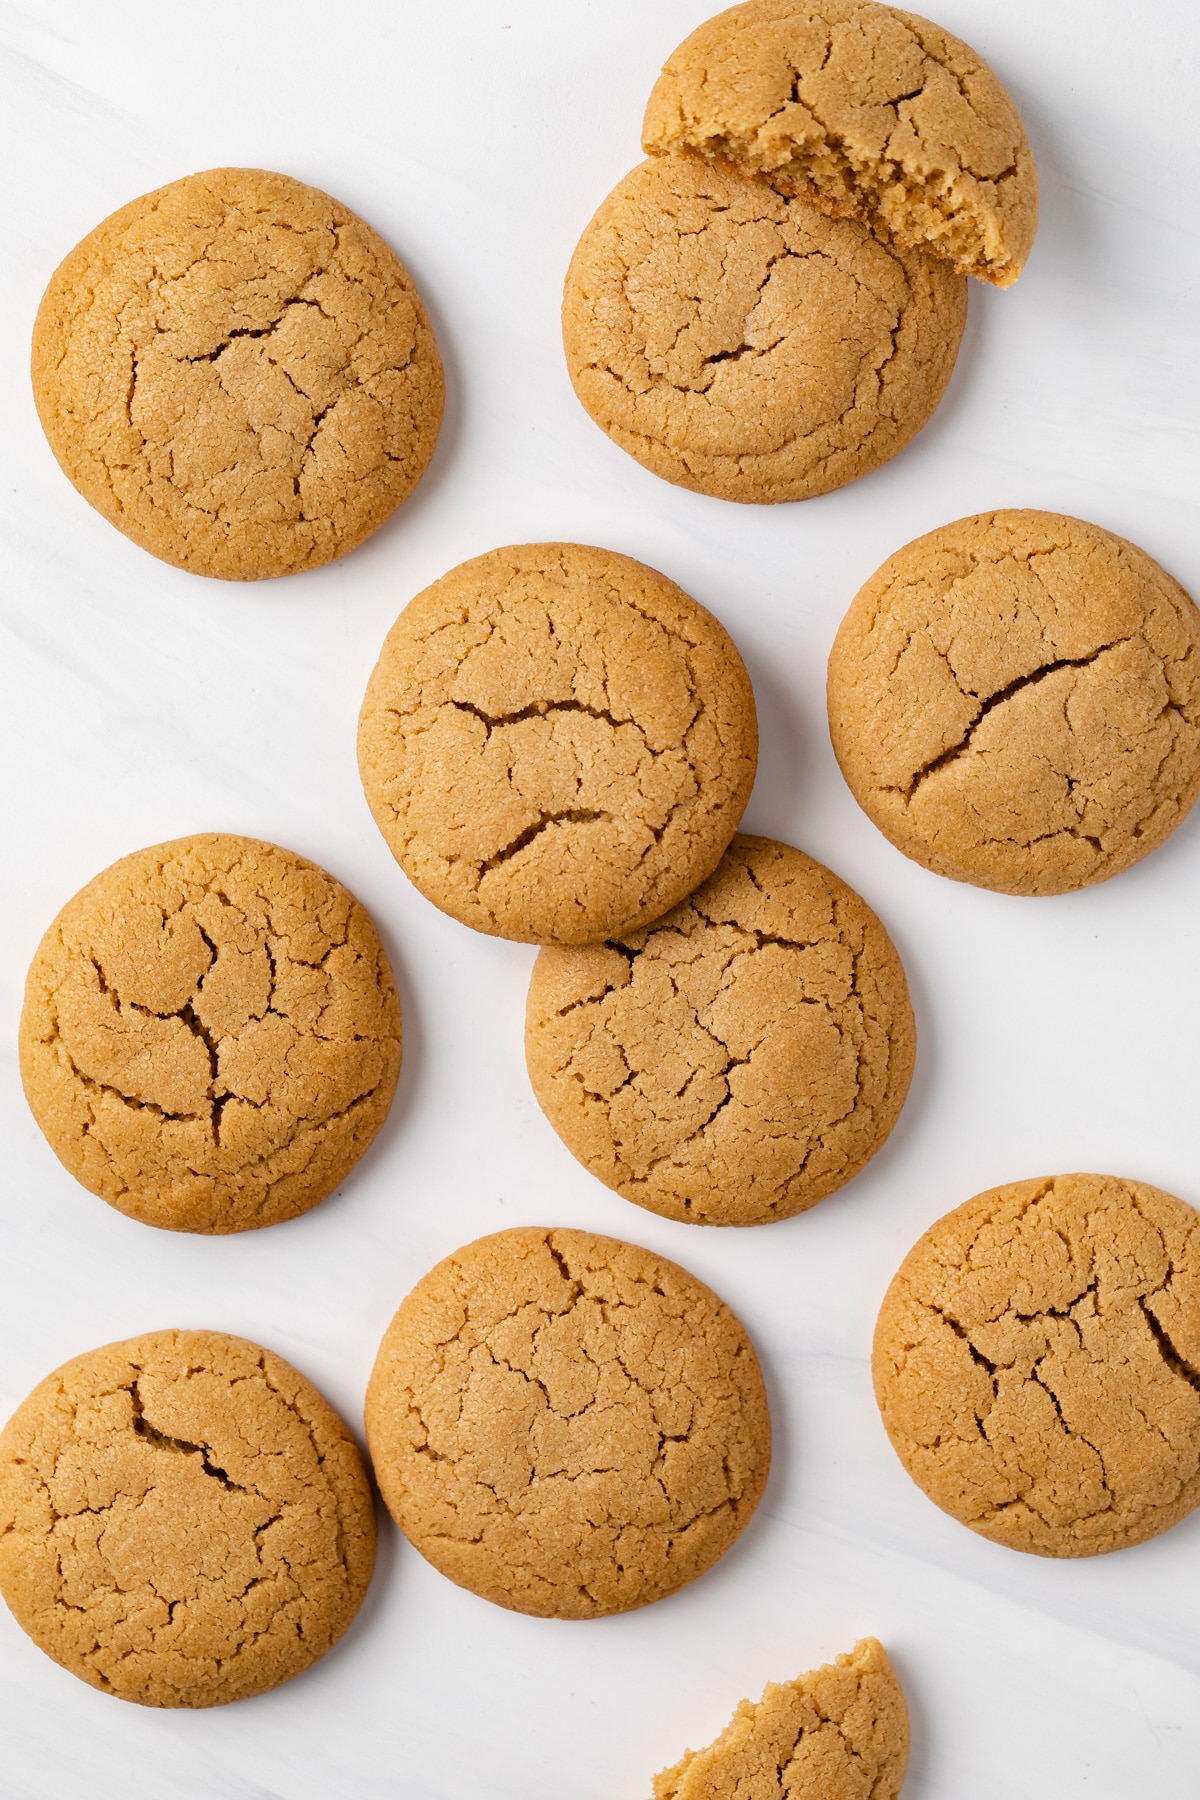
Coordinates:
(1014, 700)
(567, 1425)
(557, 742)
(835, 1733)
(745, 345)
(239, 374)
(739, 1059)
(183, 1519)
(211, 1034)
(1037, 1363)
(866, 111)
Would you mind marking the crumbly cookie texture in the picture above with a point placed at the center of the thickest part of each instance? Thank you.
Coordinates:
(557, 743)
(736, 1061)
(836, 1733)
(567, 1425)
(743, 344)
(183, 1519)
(1015, 701)
(211, 1034)
(239, 374)
(1037, 1363)
(869, 113)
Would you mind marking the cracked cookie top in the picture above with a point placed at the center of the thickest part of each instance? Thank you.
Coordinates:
(567, 1425)
(1037, 1363)
(1015, 701)
(839, 1732)
(557, 743)
(211, 1034)
(743, 344)
(183, 1519)
(736, 1061)
(866, 111)
(239, 374)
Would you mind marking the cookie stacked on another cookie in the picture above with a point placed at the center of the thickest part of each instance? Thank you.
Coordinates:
(772, 305)
(557, 743)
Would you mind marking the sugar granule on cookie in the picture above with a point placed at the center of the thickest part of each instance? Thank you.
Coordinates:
(742, 344)
(1037, 1363)
(839, 1732)
(865, 111)
(557, 742)
(739, 1059)
(184, 1521)
(239, 374)
(567, 1425)
(211, 1034)
(1014, 700)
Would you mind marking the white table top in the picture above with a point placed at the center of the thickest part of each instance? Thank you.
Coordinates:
(140, 704)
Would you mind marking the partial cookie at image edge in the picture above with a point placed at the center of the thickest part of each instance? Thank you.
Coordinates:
(1037, 1364)
(1014, 700)
(825, 1733)
(557, 742)
(774, 88)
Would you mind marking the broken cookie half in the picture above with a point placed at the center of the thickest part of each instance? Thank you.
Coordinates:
(841, 1730)
(868, 112)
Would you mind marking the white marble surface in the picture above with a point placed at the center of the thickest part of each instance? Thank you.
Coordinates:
(140, 703)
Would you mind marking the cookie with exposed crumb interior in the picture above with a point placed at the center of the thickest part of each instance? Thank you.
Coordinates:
(866, 111)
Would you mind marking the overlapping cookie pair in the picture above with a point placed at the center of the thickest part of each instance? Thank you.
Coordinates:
(772, 304)
(558, 744)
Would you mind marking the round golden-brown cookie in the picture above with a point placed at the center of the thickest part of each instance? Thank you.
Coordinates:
(567, 1425)
(211, 1034)
(183, 1519)
(1037, 1363)
(736, 1061)
(866, 111)
(839, 1732)
(745, 345)
(557, 743)
(1015, 701)
(239, 374)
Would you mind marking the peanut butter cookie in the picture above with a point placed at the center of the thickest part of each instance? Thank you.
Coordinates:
(867, 112)
(745, 345)
(567, 1425)
(1015, 702)
(211, 1034)
(239, 374)
(1037, 1364)
(739, 1059)
(837, 1733)
(557, 743)
(183, 1519)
